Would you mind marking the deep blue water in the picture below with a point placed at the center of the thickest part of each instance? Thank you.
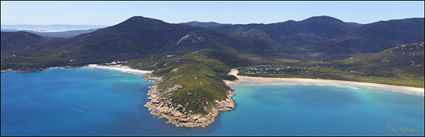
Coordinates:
(87, 101)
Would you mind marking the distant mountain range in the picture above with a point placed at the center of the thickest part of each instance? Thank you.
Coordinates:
(49, 28)
(315, 37)
(54, 31)
(205, 24)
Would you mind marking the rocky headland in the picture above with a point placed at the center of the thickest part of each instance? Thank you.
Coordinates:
(163, 108)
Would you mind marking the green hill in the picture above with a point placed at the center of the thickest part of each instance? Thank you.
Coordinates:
(402, 63)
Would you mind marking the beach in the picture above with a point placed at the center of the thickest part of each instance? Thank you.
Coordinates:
(120, 68)
(339, 83)
(270, 80)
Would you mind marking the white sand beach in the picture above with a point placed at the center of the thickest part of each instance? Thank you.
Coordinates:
(268, 81)
(119, 68)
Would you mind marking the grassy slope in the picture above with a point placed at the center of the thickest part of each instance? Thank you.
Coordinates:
(199, 74)
(401, 65)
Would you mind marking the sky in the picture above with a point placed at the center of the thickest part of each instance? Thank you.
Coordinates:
(110, 13)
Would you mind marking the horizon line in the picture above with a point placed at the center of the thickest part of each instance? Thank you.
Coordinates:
(104, 25)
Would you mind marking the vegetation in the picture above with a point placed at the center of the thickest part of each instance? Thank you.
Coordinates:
(327, 72)
(402, 65)
(193, 80)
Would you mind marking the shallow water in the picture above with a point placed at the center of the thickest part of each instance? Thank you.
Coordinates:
(88, 101)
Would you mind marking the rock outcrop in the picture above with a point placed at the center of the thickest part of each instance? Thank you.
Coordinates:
(162, 108)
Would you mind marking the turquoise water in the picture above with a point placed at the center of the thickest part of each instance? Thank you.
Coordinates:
(87, 101)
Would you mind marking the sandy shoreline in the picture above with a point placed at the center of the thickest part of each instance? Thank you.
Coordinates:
(120, 68)
(339, 83)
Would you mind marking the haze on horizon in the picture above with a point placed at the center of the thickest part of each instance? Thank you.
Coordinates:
(110, 13)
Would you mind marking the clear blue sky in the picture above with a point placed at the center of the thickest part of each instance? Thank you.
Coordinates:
(109, 13)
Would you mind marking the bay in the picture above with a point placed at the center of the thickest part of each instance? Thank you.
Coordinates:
(84, 101)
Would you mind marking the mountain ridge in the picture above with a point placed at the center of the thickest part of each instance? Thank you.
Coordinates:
(317, 37)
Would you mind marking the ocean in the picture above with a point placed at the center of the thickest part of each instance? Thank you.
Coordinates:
(85, 101)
